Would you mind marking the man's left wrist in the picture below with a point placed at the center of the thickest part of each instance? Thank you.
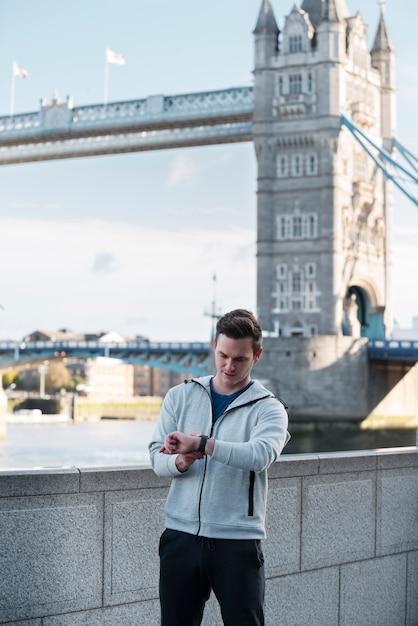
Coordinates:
(202, 444)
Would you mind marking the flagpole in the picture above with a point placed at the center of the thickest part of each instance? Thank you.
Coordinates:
(12, 91)
(106, 80)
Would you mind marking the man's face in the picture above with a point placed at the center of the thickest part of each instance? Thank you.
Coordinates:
(234, 359)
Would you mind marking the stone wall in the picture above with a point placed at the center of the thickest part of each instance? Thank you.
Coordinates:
(3, 411)
(331, 378)
(78, 547)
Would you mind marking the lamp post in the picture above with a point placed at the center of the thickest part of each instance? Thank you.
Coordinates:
(42, 372)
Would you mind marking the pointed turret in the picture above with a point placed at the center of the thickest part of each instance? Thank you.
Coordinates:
(330, 11)
(382, 41)
(266, 35)
(318, 10)
(266, 23)
(383, 60)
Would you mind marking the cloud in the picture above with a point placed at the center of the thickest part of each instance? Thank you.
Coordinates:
(104, 263)
(182, 170)
(156, 284)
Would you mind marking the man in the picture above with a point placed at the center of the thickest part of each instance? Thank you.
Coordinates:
(216, 438)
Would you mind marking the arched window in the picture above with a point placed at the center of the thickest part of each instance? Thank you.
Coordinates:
(282, 166)
(312, 164)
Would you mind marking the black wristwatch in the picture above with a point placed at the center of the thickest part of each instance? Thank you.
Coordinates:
(202, 444)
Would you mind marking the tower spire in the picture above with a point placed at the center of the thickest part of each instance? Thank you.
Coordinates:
(266, 23)
(330, 11)
(382, 41)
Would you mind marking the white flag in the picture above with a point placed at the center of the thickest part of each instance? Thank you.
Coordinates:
(112, 57)
(18, 71)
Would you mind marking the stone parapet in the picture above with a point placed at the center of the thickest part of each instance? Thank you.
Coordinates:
(80, 546)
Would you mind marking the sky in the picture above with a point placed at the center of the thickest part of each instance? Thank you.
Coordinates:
(132, 243)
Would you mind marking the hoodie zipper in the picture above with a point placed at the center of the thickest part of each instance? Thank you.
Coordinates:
(252, 473)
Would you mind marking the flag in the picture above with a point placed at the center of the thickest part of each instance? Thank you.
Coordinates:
(19, 71)
(112, 57)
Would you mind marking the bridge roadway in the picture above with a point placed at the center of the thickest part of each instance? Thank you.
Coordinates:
(59, 130)
(393, 350)
(193, 358)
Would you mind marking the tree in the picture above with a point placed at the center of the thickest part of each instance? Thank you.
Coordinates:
(57, 376)
(10, 378)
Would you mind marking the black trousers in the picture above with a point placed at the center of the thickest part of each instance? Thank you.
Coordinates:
(192, 566)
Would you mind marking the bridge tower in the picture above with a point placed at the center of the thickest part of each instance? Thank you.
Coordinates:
(324, 208)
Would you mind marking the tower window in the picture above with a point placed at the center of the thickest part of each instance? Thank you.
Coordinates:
(310, 83)
(295, 43)
(296, 282)
(297, 169)
(295, 83)
(312, 226)
(281, 270)
(312, 164)
(281, 166)
(310, 270)
(297, 227)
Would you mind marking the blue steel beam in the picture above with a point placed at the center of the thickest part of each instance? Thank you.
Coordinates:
(193, 358)
(384, 160)
(393, 350)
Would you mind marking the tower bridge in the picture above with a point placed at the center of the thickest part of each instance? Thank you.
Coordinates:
(187, 357)
(321, 116)
(61, 131)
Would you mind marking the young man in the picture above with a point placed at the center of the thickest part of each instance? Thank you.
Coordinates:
(216, 438)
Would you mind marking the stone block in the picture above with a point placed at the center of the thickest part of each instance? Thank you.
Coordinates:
(119, 478)
(282, 546)
(39, 482)
(145, 613)
(29, 622)
(352, 461)
(294, 465)
(392, 458)
(338, 523)
(51, 555)
(397, 511)
(134, 521)
(307, 598)
(412, 590)
(373, 592)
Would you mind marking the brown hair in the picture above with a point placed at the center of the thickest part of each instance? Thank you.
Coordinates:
(238, 324)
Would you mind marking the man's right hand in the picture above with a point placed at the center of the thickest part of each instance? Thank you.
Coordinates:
(185, 460)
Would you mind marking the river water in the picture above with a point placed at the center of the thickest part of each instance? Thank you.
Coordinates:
(124, 442)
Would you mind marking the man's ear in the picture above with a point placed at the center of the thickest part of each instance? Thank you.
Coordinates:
(257, 355)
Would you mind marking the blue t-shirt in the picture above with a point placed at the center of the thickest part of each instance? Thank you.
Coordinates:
(220, 401)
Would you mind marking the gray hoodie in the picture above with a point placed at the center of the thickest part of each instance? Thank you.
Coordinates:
(224, 495)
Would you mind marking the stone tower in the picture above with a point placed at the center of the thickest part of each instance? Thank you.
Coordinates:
(324, 208)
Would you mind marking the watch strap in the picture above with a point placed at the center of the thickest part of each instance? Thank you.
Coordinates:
(202, 444)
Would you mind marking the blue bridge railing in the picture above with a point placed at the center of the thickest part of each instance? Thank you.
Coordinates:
(187, 357)
(393, 350)
(59, 130)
